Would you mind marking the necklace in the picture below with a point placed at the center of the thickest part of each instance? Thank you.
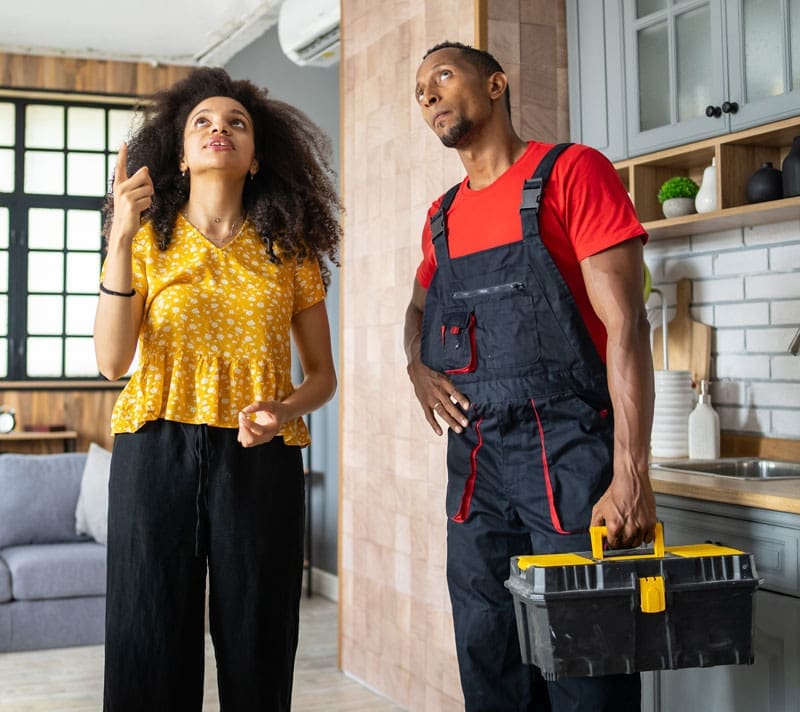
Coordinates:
(235, 229)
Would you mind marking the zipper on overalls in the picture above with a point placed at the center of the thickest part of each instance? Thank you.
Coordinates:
(483, 291)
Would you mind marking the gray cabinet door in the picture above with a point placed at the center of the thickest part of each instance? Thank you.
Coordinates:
(675, 56)
(771, 684)
(775, 548)
(596, 75)
(763, 60)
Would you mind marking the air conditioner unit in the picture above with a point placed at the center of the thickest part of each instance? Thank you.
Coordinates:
(308, 31)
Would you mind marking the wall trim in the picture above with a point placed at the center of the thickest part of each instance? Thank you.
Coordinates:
(481, 25)
(323, 584)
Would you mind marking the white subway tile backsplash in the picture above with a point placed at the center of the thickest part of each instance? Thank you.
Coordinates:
(741, 262)
(728, 340)
(725, 240)
(658, 249)
(786, 368)
(727, 391)
(776, 394)
(786, 257)
(742, 367)
(785, 312)
(718, 290)
(772, 233)
(786, 423)
(705, 314)
(676, 268)
(750, 420)
(742, 314)
(746, 283)
(781, 285)
(768, 340)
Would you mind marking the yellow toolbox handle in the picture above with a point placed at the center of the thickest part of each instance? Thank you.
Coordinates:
(597, 535)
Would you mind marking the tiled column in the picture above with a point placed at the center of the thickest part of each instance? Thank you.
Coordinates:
(396, 625)
(396, 630)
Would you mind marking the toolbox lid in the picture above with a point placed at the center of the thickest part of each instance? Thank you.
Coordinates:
(659, 551)
(686, 551)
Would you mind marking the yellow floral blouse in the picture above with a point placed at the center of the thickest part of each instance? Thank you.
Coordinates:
(215, 332)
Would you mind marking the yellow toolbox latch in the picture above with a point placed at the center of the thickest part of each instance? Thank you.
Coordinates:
(651, 593)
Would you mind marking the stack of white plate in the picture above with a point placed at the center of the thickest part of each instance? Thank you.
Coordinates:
(674, 401)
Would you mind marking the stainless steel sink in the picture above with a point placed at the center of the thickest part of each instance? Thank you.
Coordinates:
(743, 468)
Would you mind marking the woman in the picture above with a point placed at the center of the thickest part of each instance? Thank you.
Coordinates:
(223, 213)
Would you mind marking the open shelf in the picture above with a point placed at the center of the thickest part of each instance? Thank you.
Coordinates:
(738, 156)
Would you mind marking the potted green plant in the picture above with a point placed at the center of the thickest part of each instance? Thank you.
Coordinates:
(676, 196)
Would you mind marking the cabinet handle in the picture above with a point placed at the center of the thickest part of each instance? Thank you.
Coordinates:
(713, 111)
(729, 107)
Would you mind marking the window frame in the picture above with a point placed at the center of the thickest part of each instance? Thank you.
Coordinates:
(19, 203)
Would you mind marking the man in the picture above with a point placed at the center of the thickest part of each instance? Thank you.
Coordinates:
(527, 336)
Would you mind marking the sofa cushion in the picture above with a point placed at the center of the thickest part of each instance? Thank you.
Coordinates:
(39, 493)
(91, 513)
(56, 570)
(5, 581)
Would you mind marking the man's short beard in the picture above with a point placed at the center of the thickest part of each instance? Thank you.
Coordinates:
(457, 133)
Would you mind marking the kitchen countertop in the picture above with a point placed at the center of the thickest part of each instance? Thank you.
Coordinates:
(777, 495)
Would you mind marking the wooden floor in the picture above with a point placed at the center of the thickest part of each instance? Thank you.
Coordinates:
(71, 679)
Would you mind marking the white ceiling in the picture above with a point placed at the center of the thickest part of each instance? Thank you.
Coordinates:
(157, 31)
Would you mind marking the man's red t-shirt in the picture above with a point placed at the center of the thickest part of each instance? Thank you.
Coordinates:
(585, 210)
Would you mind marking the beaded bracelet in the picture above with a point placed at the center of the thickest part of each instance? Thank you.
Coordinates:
(106, 290)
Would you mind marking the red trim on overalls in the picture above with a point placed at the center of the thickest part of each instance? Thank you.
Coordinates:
(466, 498)
(547, 481)
(473, 357)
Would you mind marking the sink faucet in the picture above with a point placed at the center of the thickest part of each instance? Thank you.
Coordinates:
(794, 346)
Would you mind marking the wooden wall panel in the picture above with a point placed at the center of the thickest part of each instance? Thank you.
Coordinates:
(86, 410)
(529, 39)
(18, 71)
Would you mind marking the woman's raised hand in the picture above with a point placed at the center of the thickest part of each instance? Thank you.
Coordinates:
(131, 196)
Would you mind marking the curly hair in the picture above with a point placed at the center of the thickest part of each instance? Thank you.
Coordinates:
(483, 62)
(292, 200)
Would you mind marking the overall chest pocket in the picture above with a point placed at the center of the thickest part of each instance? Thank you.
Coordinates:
(507, 335)
(458, 352)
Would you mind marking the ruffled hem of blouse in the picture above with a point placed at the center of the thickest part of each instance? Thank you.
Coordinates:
(201, 390)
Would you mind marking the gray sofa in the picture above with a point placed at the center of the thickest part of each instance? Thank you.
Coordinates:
(52, 580)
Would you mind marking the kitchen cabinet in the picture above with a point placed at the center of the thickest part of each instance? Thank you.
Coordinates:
(700, 69)
(772, 683)
(689, 70)
(737, 156)
(596, 78)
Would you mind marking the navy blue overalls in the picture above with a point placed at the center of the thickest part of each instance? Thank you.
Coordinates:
(535, 457)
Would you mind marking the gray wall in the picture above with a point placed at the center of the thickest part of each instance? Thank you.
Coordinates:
(316, 92)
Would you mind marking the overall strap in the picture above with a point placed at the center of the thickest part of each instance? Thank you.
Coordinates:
(554, 288)
(438, 224)
(534, 186)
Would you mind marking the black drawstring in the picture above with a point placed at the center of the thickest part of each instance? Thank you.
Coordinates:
(201, 451)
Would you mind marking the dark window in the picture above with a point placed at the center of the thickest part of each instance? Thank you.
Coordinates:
(56, 161)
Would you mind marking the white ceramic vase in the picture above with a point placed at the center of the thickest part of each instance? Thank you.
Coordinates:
(675, 207)
(706, 199)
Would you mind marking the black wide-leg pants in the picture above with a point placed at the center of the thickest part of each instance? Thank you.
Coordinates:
(184, 499)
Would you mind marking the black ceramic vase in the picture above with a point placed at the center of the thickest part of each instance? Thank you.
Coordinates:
(791, 170)
(765, 184)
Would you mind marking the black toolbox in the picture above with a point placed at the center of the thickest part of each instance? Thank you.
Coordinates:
(586, 614)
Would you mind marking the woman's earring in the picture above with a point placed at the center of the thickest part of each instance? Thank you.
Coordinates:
(183, 174)
(252, 175)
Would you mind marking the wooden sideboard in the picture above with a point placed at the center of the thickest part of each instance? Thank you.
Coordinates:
(38, 442)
